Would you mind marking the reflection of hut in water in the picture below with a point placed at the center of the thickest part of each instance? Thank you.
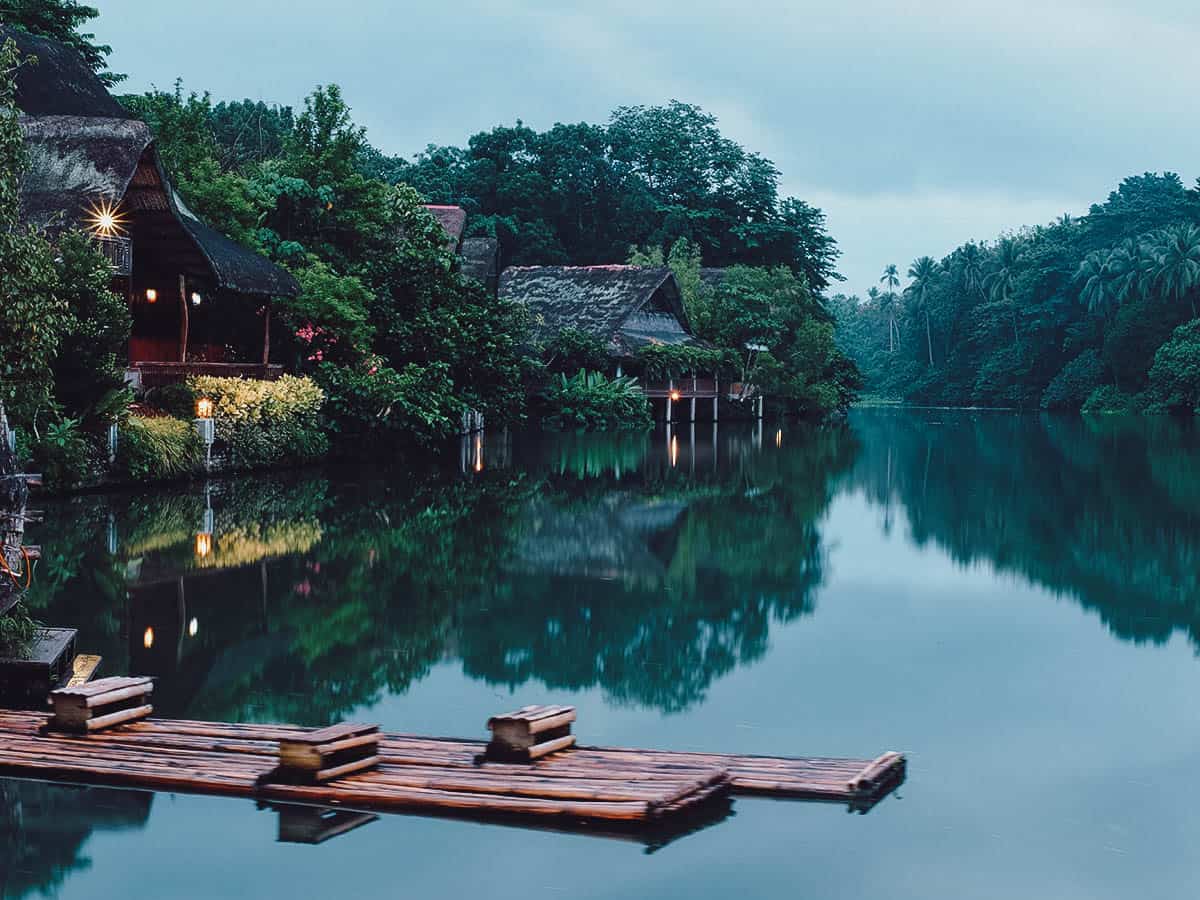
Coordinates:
(43, 828)
(608, 540)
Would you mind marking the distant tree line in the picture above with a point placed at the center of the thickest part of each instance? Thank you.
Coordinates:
(1095, 313)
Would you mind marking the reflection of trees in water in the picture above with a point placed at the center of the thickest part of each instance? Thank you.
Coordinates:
(43, 828)
(1101, 509)
(649, 579)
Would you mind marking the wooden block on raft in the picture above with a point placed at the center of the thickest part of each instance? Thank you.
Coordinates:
(531, 733)
(101, 704)
(315, 757)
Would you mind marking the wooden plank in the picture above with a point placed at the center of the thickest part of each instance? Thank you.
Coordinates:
(333, 733)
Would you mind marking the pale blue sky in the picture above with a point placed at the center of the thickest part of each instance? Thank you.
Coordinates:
(914, 128)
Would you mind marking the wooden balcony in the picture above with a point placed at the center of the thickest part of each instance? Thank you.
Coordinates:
(119, 253)
(143, 375)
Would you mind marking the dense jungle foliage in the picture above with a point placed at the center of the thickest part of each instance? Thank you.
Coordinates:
(1094, 313)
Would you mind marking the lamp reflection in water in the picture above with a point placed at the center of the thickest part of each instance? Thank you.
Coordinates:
(779, 438)
(479, 453)
(674, 450)
(148, 638)
(193, 627)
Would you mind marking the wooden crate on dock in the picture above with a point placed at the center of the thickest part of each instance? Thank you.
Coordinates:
(315, 757)
(101, 704)
(531, 732)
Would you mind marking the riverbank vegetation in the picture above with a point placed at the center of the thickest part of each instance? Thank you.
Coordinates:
(396, 338)
(1095, 313)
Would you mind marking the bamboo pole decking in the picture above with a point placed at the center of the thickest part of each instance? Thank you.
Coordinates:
(600, 786)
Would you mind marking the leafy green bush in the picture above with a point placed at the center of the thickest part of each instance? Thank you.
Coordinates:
(65, 456)
(17, 630)
(263, 423)
(659, 361)
(1175, 375)
(415, 405)
(1073, 385)
(573, 349)
(1106, 399)
(589, 401)
(162, 447)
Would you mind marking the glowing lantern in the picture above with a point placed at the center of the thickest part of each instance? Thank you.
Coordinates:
(196, 298)
(151, 295)
(193, 627)
(204, 545)
(105, 221)
(148, 638)
(675, 396)
(204, 408)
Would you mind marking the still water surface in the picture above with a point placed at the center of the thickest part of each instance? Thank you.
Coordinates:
(1012, 600)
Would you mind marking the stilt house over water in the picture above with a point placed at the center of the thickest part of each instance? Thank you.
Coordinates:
(201, 303)
(626, 308)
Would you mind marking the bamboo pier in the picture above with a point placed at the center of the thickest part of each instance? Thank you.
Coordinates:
(606, 787)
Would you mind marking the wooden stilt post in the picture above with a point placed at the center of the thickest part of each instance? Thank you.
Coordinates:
(183, 319)
(266, 335)
(716, 396)
(670, 391)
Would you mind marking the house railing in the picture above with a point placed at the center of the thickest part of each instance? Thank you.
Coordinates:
(119, 253)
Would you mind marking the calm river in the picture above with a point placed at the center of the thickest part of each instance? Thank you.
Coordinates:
(1014, 601)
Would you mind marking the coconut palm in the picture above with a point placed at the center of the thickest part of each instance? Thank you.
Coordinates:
(999, 282)
(891, 277)
(1176, 268)
(1128, 268)
(1093, 278)
(972, 268)
(923, 272)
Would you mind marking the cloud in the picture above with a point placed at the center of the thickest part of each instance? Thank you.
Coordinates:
(905, 122)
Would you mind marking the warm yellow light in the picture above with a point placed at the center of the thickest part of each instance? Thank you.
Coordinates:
(674, 451)
(675, 395)
(204, 544)
(151, 295)
(204, 408)
(148, 638)
(105, 220)
(193, 627)
(478, 454)
(779, 438)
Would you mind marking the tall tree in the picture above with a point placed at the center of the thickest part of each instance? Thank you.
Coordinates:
(891, 277)
(923, 272)
(1176, 270)
(62, 20)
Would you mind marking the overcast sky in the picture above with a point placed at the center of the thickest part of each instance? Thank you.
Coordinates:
(914, 126)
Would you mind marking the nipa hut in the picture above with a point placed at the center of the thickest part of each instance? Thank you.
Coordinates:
(201, 303)
(626, 308)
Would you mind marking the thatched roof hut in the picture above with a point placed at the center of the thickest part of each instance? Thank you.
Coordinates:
(85, 150)
(625, 307)
(453, 220)
(481, 259)
(87, 155)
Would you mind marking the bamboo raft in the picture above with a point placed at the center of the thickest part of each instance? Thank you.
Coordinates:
(605, 787)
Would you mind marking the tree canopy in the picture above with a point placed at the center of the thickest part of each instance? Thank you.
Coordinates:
(1048, 315)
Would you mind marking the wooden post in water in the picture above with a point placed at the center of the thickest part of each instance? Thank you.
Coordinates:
(183, 319)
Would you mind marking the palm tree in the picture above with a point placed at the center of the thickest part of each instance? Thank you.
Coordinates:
(891, 277)
(972, 268)
(999, 282)
(1092, 274)
(923, 272)
(1176, 269)
(1128, 269)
